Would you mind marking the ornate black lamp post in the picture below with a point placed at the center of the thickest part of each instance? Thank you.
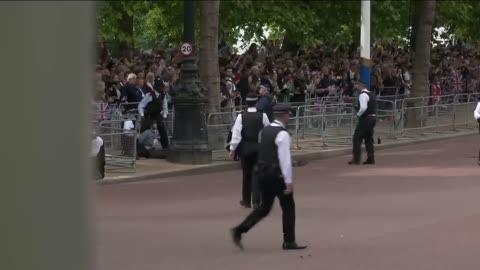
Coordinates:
(190, 136)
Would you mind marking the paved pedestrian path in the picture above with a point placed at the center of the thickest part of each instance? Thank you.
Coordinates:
(417, 209)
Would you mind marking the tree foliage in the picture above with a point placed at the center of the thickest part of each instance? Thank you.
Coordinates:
(307, 22)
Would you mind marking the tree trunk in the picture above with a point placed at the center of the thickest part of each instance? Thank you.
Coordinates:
(421, 61)
(415, 7)
(209, 70)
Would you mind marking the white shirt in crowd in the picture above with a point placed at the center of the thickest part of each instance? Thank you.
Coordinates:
(230, 86)
(128, 125)
(476, 113)
(237, 128)
(363, 98)
(283, 145)
(96, 145)
(147, 98)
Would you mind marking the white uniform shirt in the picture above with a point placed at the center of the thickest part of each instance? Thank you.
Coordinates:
(284, 158)
(96, 145)
(476, 113)
(363, 98)
(237, 128)
(147, 98)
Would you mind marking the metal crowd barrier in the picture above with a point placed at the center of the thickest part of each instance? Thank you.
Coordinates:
(331, 120)
(435, 114)
(120, 145)
(220, 123)
(324, 123)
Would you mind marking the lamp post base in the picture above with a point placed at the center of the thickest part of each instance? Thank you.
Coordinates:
(190, 156)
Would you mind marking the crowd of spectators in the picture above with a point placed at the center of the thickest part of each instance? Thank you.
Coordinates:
(290, 77)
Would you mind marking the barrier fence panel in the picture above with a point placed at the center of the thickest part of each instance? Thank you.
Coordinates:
(337, 123)
(465, 104)
(169, 122)
(418, 117)
(308, 124)
(120, 145)
(437, 114)
(220, 123)
(386, 119)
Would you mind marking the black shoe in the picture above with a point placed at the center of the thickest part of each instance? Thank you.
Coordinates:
(292, 246)
(237, 238)
(244, 204)
(353, 162)
(255, 206)
(369, 161)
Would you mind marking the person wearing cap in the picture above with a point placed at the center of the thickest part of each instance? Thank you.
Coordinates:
(275, 177)
(154, 107)
(476, 114)
(366, 110)
(245, 134)
(265, 102)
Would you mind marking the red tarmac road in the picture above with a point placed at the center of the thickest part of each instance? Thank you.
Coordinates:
(417, 209)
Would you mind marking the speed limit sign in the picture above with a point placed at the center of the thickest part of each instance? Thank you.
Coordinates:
(186, 49)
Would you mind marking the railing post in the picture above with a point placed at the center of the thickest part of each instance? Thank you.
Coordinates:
(297, 123)
(454, 112)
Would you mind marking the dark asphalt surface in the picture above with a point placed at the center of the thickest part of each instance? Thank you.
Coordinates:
(417, 209)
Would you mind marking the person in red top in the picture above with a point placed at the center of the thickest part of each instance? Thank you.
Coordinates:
(436, 92)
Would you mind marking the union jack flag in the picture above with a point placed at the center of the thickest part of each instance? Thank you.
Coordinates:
(103, 111)
(456, 83)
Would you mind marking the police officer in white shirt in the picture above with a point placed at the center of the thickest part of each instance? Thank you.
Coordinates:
(98, 156)
(154, 107)
(367, 108)
(245, 136)
(476, 114)
(275, 176)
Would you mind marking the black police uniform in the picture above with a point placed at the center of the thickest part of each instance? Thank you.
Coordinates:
(272, 185)
(252, 124)
(364, 130)
(153, 113)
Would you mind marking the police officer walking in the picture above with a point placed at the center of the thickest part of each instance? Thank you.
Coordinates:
(245, 134)
(275, 177)
(367, 108)
(154, 107)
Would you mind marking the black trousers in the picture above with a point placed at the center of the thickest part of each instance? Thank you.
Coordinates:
(142, 151)
(364, 131)
(162, 131)
(250, 186)
(99, 164)
(271, 188)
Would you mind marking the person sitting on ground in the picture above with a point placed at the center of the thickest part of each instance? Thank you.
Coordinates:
(146, 143)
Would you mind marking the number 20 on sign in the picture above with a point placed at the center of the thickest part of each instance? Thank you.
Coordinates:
(186, 49)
